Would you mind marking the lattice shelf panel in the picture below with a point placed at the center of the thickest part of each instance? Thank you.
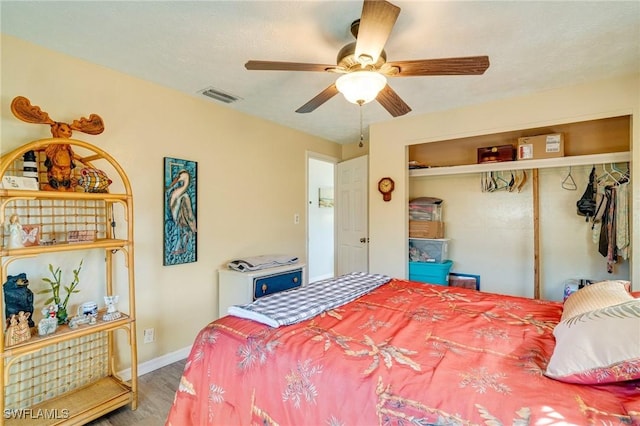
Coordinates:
(55, 370)
(56, 218)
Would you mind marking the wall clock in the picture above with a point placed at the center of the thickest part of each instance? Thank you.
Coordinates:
(386, 186)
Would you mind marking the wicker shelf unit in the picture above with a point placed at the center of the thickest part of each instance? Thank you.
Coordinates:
(70, 377)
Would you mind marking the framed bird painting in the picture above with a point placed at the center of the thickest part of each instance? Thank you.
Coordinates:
(180, 211)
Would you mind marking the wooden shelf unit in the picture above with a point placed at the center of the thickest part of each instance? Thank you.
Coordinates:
(78, 398)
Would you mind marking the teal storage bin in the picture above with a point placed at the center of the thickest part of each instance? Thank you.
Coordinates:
(432, 273)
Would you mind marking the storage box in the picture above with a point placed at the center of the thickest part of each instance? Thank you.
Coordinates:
(541, 146)
(426, 229)
(428, 250)
(493, 154)
(432, 273)
(464, 280)
(425, 208)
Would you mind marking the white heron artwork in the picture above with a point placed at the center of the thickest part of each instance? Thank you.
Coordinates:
(180, 213)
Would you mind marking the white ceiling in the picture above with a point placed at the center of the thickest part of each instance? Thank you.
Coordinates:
(192, 45)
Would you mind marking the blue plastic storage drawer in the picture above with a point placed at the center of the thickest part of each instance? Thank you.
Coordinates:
(269, 284)
(433, 273)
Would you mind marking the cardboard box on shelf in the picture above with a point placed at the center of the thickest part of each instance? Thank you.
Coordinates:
(541, 146)
(426, 229)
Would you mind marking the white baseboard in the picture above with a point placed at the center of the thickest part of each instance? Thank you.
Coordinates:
(154, 364)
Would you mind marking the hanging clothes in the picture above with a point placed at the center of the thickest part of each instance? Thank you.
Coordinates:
(610, 223)
(623, 240)
(607, 245)
(596, 220)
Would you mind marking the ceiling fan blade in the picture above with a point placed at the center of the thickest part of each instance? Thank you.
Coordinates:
(285, 66)
(471, 65)
(376, 22)
(319, 99)
(390, 100)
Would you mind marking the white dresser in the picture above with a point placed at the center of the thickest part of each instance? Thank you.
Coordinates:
(235, 288)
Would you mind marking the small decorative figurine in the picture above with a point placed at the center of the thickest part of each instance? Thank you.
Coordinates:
(82, 319)
(88, 308)
(14, 228)
(93, 180)
(112, 311)
(18, 329)
(59, 156)
(30, 165)
(49, 323)
(59, 165)
(18, 297)
(87, 313)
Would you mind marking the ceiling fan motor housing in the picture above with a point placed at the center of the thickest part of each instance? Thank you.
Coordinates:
(347, 59)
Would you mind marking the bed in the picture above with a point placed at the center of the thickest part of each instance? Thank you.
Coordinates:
(409, 353)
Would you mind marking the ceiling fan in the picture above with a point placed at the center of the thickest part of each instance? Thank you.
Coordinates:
(364, 65)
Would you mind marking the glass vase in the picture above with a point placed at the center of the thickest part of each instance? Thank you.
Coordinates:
(61, 315)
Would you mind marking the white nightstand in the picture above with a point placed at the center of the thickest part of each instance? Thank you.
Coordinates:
(236, 288)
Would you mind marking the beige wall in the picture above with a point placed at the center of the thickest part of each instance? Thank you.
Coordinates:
(388, 142)
(353, 150)
(251, 177)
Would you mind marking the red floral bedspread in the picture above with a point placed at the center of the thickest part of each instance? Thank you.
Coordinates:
(405, 354)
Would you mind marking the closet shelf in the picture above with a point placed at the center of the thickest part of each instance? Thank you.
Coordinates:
(577, 160)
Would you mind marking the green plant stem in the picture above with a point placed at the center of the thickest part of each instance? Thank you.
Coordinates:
(55, 284)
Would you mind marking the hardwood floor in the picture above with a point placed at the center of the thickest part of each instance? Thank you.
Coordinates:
(155, 396)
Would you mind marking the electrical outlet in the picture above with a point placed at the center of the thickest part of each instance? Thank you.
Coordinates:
(296, 219)
(149, 335)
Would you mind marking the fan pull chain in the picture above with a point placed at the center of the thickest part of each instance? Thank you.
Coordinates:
(361, 144)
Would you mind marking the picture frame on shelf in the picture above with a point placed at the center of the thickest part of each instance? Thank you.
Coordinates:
(30, 235)
(81, 236)
(19, 182)
(457, 279)
(180, 242)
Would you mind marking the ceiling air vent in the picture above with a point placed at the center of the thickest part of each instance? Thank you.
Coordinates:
(219, 95)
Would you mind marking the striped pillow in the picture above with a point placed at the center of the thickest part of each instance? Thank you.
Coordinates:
(598, 338)
(596, 296)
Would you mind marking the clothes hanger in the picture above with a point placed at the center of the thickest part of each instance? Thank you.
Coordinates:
(512, 182)
(602, 180)
(523, 181)
(624, 174)
(504, 183)
(568, 183)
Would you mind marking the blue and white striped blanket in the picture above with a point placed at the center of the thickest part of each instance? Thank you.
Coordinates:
(299, 304)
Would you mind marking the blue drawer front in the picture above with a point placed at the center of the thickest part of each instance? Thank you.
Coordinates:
(272, 284)
(433, 273)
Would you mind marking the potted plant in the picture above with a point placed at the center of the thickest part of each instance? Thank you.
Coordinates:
(55, 283)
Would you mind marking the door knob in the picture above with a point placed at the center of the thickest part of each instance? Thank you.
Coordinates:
(364, 240)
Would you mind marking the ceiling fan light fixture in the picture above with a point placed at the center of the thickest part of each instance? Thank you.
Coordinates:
(361, 87)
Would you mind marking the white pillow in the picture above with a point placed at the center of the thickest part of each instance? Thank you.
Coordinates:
(598, 345)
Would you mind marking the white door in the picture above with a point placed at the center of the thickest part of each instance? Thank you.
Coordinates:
(352, 209)
(320, 217)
